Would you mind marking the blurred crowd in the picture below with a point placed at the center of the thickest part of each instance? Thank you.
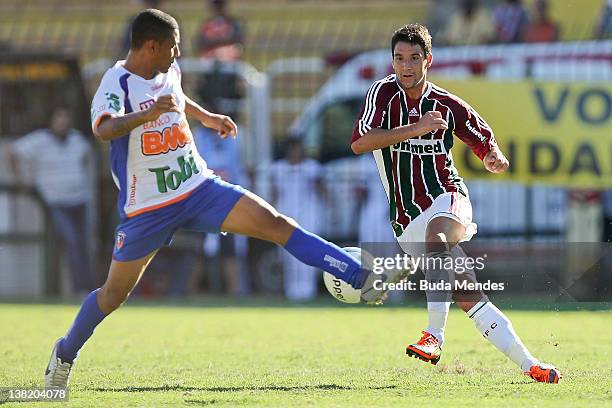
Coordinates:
(474, 22)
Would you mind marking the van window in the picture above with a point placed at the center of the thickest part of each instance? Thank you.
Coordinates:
(328, 137)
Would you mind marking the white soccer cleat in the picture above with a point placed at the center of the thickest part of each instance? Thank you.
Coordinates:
(57, 373)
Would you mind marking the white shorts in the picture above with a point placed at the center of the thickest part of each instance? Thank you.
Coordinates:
(450, 205)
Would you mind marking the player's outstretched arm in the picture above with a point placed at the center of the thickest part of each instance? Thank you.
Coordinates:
(376, 138)
(111, 128)
(223, 124)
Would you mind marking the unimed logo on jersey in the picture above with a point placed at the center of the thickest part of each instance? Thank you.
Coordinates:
(421, 147)
(170, 138)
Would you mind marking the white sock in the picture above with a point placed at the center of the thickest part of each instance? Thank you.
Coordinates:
(438, 302)
(437, 313)
(496, 328)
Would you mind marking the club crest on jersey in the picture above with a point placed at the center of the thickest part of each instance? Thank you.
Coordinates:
(120, 239)
(421, 146)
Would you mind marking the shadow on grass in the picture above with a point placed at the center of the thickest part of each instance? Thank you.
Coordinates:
(324, 387)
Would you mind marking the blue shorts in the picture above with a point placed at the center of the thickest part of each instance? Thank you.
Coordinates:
(203, 210)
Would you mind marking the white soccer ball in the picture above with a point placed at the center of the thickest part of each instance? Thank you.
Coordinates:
(339, 288)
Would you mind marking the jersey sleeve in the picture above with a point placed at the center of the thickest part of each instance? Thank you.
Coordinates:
(472, 129)
(108, 101)
(372, 113)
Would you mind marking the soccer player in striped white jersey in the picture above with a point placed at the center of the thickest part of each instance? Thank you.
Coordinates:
(164, 184)
(408, 124)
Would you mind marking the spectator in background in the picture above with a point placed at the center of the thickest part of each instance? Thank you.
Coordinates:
(603, 29)
(126, 38)
(510, 21)
(298, 192)
(374, 223)
(223, 157)
(220, 37)
(58, 160)
(471, 25)
(541, 28)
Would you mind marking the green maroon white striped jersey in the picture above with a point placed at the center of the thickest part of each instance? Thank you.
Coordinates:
(416, 171)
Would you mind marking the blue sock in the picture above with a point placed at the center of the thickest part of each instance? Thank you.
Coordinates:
(84, 324)
(315, 251)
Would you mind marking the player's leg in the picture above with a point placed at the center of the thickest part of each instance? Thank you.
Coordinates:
(444, 234)
(254, 217)
(121, 280)
(221, 206)
(495, 326)
(441, 234)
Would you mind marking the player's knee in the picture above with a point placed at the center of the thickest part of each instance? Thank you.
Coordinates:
(436, 240)
(110, 299)
(280, 228)
(467, 299)
(444, 230)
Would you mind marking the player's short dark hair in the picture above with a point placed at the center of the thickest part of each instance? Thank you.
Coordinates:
(152, 24)
(414, 33)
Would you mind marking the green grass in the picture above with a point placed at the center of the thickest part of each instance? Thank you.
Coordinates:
(158, 355)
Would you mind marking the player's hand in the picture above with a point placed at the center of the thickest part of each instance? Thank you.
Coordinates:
(495, 161)
(163, 104)
(430, 122)
(224, 125)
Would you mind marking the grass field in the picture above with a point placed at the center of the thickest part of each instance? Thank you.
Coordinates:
(152, 355)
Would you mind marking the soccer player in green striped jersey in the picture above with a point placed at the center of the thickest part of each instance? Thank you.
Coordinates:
(410, 124)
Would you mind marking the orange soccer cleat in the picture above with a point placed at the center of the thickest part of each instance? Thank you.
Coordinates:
(426, 349)
(545, 373)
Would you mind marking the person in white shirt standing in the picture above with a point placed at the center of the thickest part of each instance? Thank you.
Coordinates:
(298, 190)
(58, 162)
